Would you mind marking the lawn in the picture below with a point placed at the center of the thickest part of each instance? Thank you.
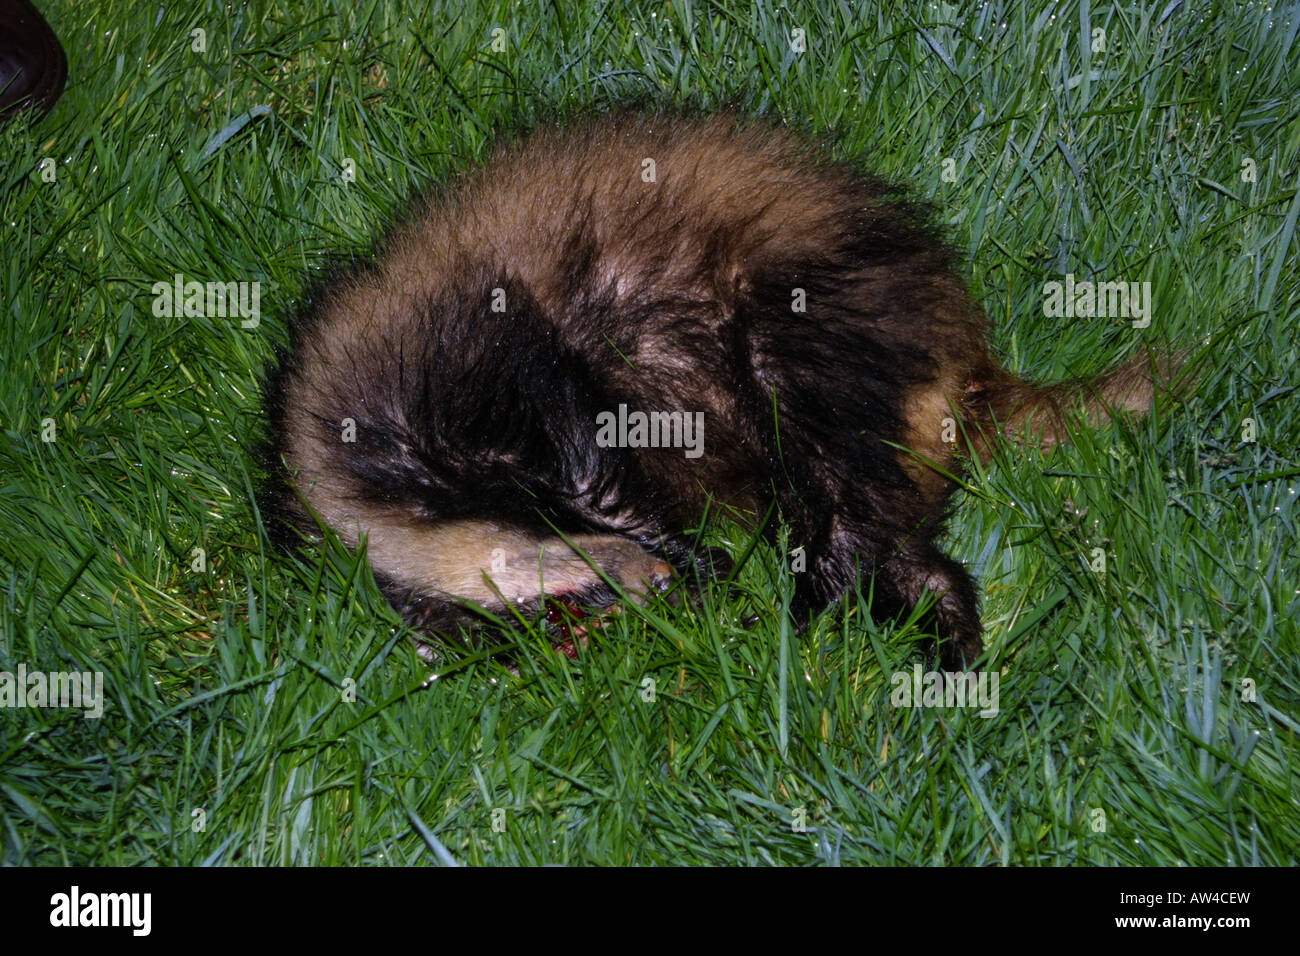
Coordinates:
(1140, 587)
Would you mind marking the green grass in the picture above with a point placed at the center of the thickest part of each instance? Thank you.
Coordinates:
(269, 710)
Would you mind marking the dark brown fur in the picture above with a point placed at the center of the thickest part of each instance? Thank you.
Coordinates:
(475, 471)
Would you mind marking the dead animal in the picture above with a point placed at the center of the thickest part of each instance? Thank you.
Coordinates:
(556, 366)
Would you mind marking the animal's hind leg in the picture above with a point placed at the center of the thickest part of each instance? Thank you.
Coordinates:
(903, 564)
(918, 568)
(848, 493)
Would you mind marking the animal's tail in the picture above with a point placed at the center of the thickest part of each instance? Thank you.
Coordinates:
(1001, 403)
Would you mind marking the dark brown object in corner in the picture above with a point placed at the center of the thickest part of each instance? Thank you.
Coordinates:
(33, 67)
